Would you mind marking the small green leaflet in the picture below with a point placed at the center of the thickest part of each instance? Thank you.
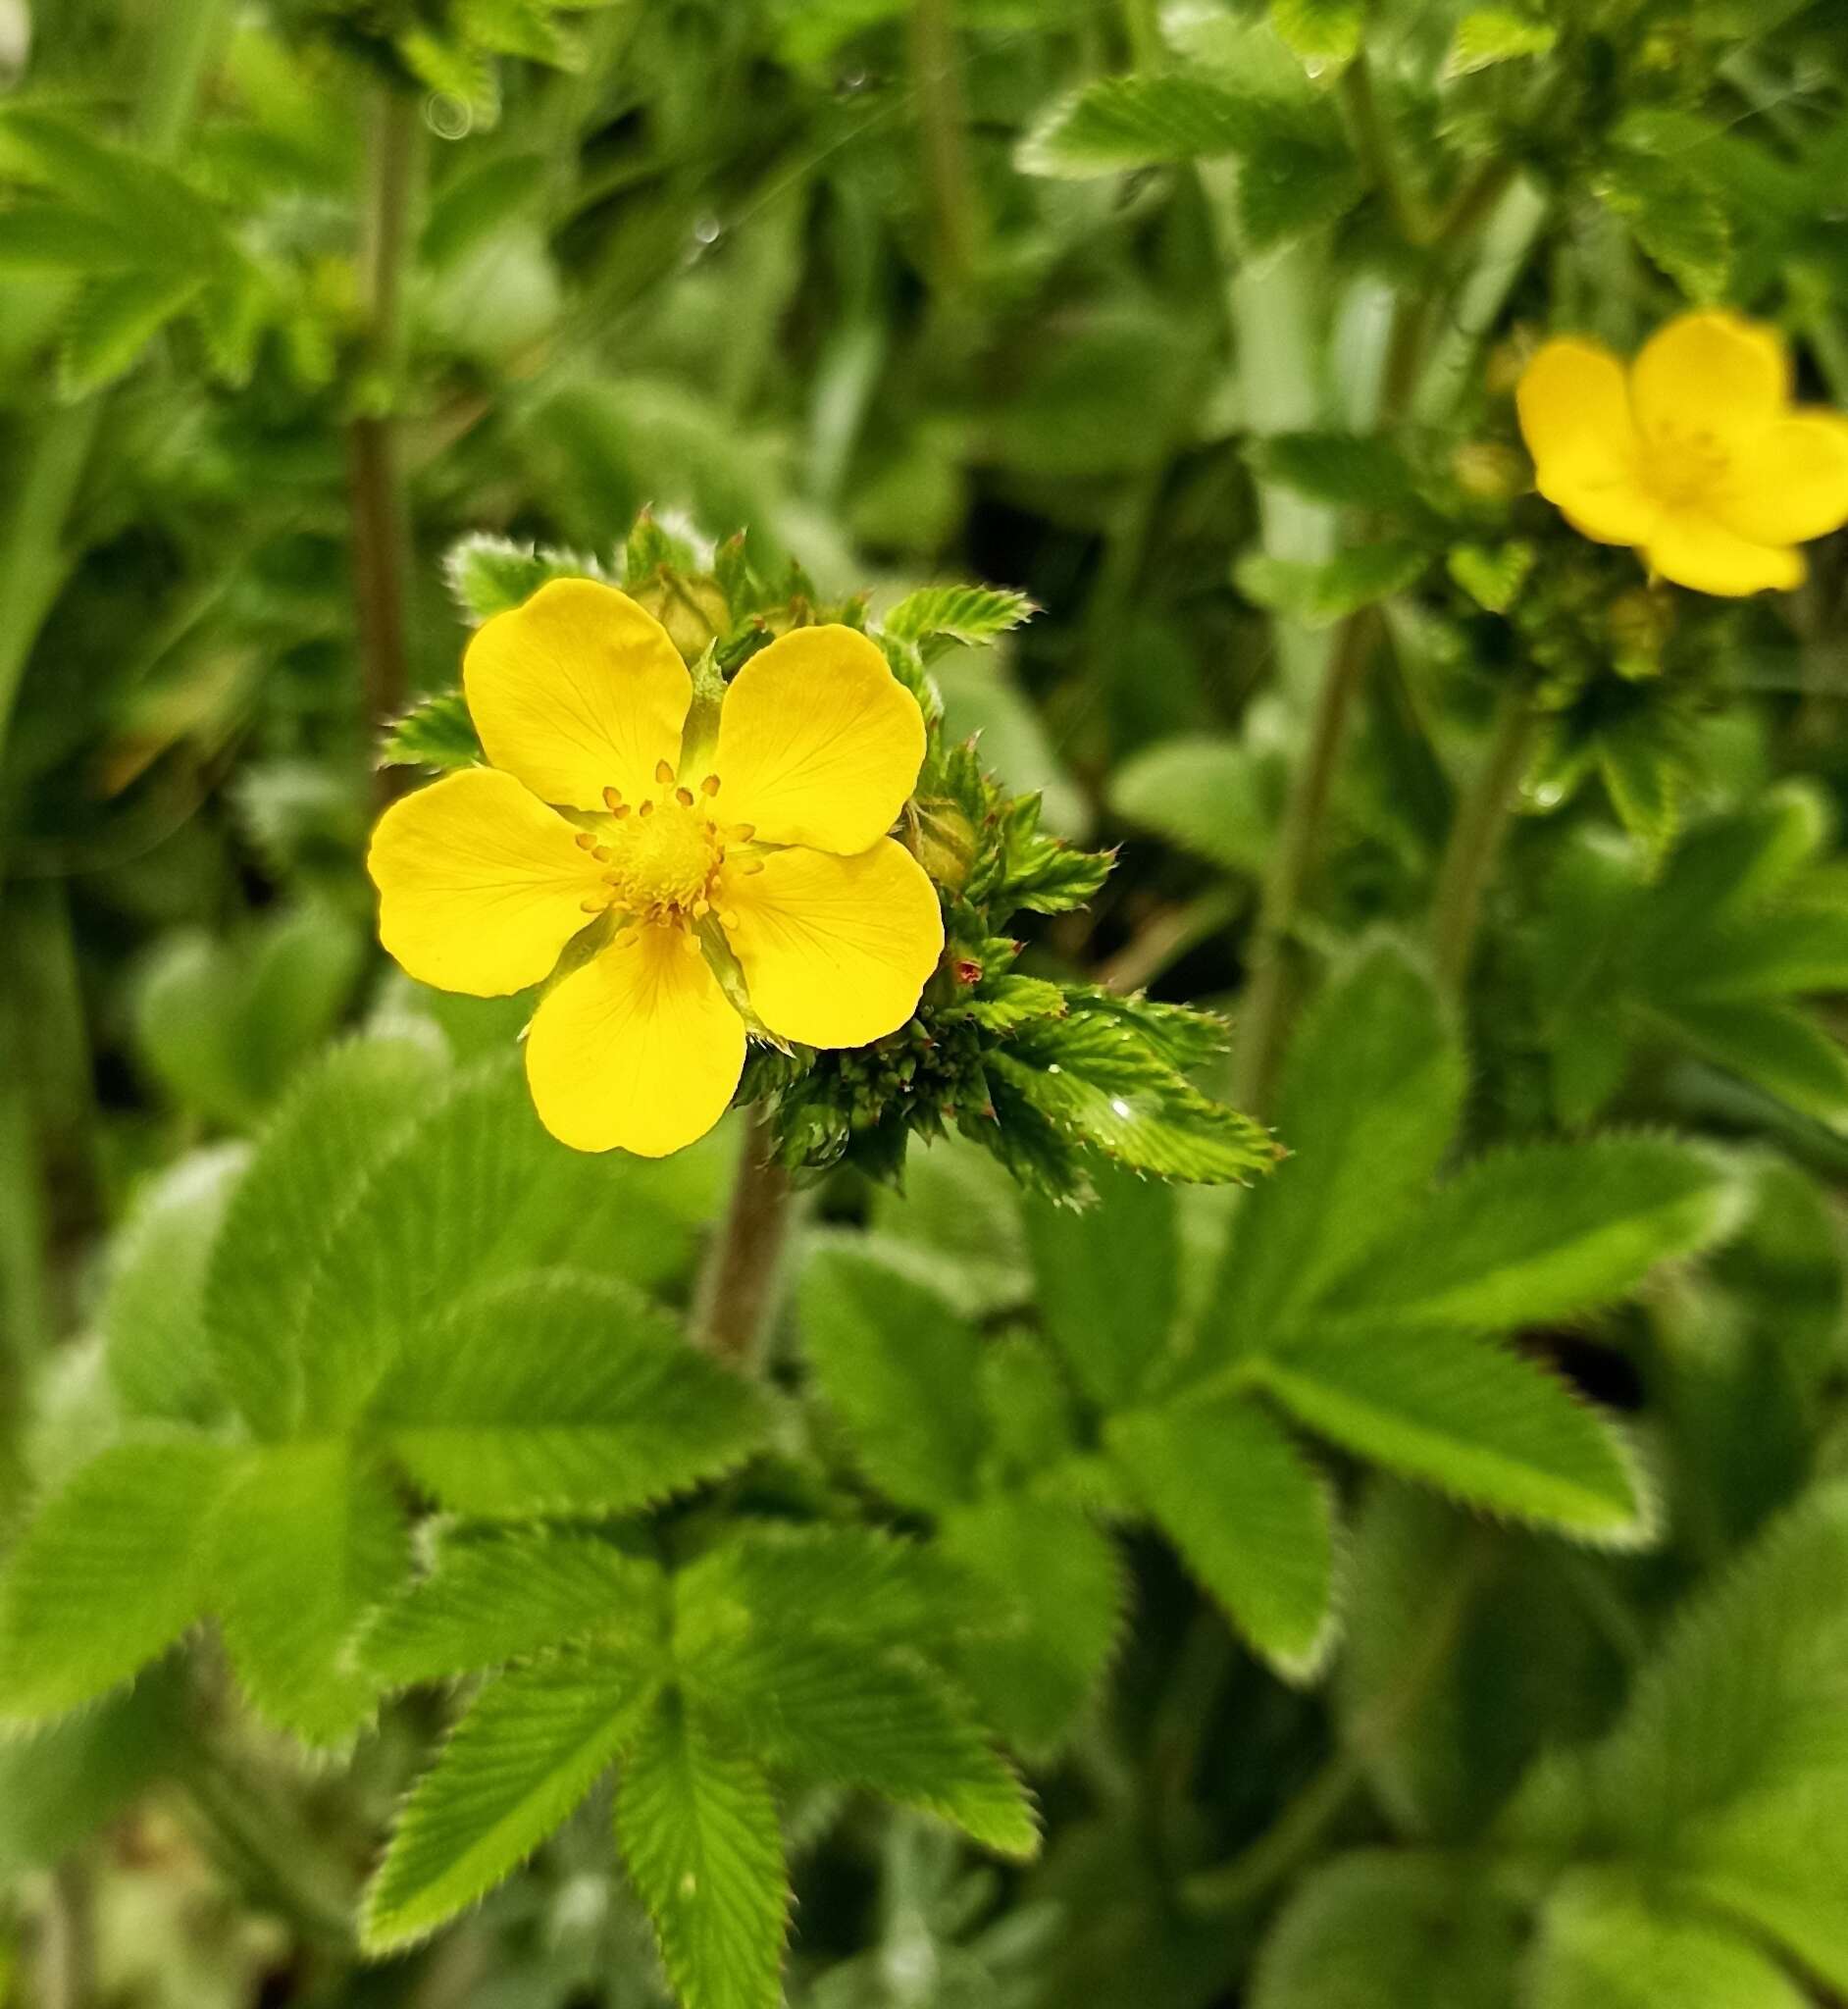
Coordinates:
(1496, 34)
(1320, 30)
(436, 732)
(1120, 123)
(533, 1744)
(698, 1833)
(970, 615)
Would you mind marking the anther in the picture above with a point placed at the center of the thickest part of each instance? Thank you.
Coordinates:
(728, 918)
(620, 811)
(647, 809)
(586, 842)
(711, 786)
(743, 833)
(613, 799)
(593, 907)
(662, 771)
(684, 796)
(603, 854)
(753, 868)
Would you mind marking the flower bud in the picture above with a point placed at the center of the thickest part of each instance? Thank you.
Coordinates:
(689, 605)
(941, 839)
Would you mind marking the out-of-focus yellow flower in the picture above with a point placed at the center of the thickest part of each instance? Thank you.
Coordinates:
(1696, 455)
(769, 858)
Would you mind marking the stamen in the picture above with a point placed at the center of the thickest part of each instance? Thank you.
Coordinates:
(711, 786)
(603, 854)
(728, 918)
(620, 811)
(612, 800)
(743, 833)
(647, 809)
(586, 842)
(593, 907)
(662, 771)
(751, 870)
(684, 796)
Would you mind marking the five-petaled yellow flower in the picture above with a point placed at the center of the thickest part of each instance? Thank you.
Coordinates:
(766, 856)
(1698, 457)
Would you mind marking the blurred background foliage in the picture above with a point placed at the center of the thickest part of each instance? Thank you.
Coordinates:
(1213, 362)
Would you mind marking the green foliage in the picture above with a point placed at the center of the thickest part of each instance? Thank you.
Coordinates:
(698, 1832)
(1368, 1928)
(1321, 595)
(531, 1746)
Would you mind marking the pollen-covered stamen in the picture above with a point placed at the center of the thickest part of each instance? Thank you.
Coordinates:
(711, 786)
(1685, 463)
(664, 859)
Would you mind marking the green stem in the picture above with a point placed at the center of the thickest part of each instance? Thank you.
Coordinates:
(737, 1291)
(1475, 837)
(1372, 144)
(1262, 1015)
(948, 174)
(67, 1944)
(34, 559)
(382, 533)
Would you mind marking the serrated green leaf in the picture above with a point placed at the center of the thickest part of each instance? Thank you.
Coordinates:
(1604, 1943)
(1320, 30)
(338, 1120)
(115, 319)
(1464, 1414)
(108, 1574)
(436, 732)
(1492, 575)
(1723, 1778)
(1374, 1927)
(1253, 1520)
(1543, 1231)
(1105, 1280)
(532, 1745)
(1098, 1076)
(1496, 34)
(1676, 216)
(700, 1836)
(554, 1393)
(152, 1317)
(306, 1540)
(969, 615)
(1779, 952)
(1370, 1095)
(1319, 595)
(495, 1594)
(1776, 1045)
(489, 574)
(1061, 1589)
(1120, 123)
(900, 1369)
(1645, 778)
(1288, 187)
(473, 1191)
(823, 1708)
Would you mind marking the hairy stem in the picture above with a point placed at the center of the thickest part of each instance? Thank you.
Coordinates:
(1475, 838)
(744, 1267)
(1261, 1017)
(948, 174)
(67, 1942)
(382, 558)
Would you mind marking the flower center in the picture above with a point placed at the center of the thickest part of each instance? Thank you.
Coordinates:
(663, 852)
(1684, 463)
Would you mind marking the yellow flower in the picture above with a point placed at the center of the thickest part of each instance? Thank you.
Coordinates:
(1698, 457)
(768, 857)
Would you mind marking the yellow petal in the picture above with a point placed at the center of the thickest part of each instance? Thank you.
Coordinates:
(819, 742)
(1710, 376)
(1574, 410)
(1790, 483)
(578, 690)
(1694, 549)
(835, 950)
(1619, 511)
(638, 1051)
(479, 884)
